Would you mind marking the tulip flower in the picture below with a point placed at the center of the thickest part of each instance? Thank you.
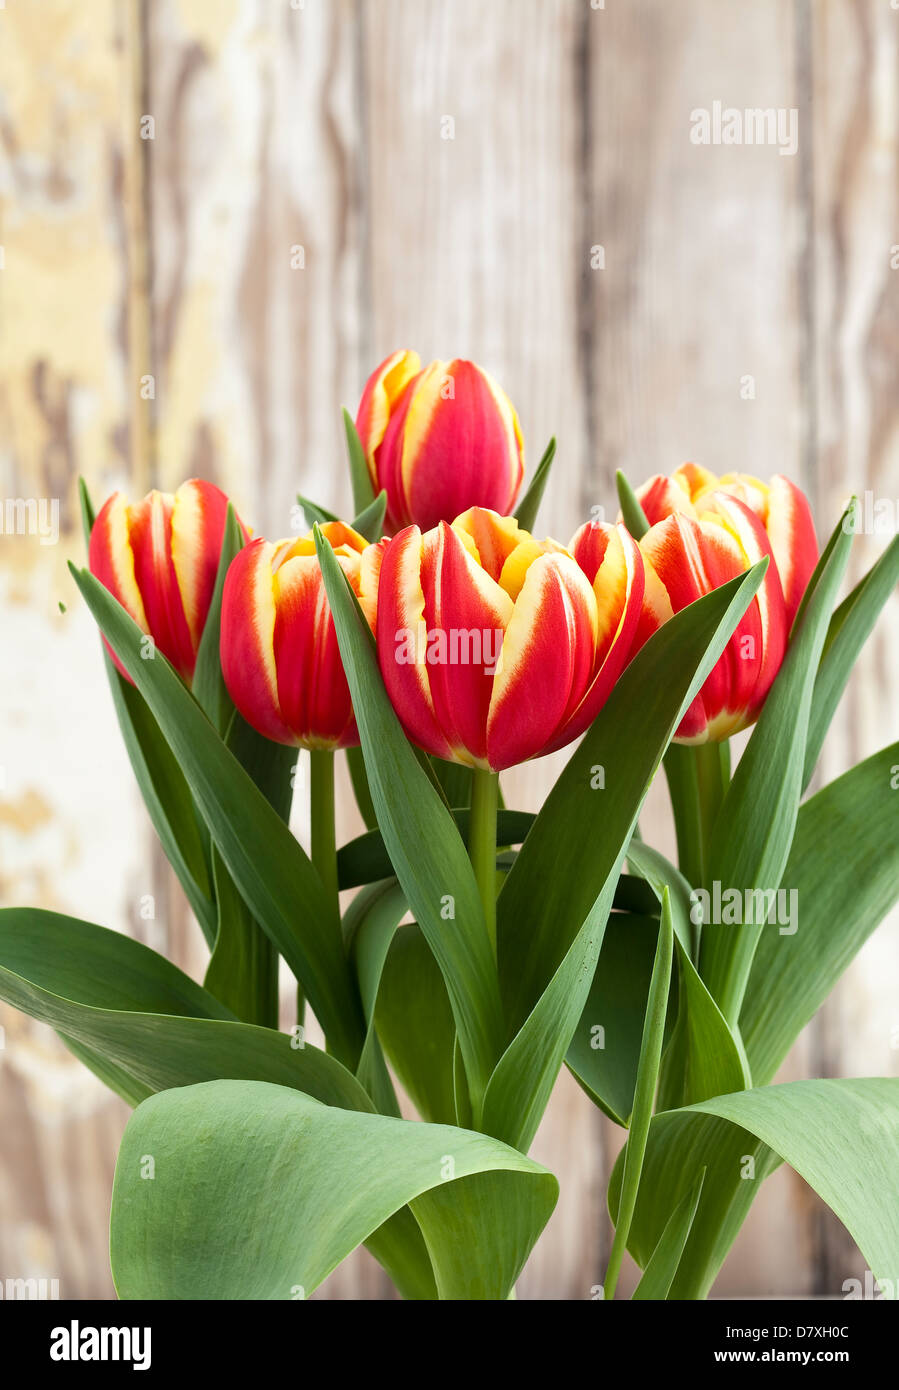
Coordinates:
(439, 440)
(495, 647)
(279, 653)
(780, 506)
(686, 557)
(159, 558)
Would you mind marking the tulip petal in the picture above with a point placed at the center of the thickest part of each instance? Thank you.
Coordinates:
(199, 511)
(466, 614)
(313, 693)
(465, 426)
(154, 569)
(402, 641)
(247, 642)
(791, 531)
(382, 390)
(547, 661)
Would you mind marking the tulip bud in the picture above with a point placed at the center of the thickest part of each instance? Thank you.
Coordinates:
(280, 658)
(439, 440)
(780, 506)
(160, 559)
(686, 557)
(495, 647)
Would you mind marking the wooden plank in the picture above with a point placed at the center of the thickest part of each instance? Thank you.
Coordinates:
(855, 67)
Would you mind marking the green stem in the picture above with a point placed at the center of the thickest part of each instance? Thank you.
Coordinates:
(482, 843)
(698, 777)
(323, 834)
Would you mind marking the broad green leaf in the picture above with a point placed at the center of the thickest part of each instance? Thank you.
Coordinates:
(360, 478)
(416, 1027)
(370, 521)
(455, 780)
(426, 852)
(756, 823)
(664, 1260)
(147, 1020)
(840, 1136)
(605, 1049)
(844, 870)
(529, 506)
(209, 687)
(273, 874)
(850, 628)
(243, 969)
(365, 859)
(259, 1193)
(554, 904)
(644, 1091)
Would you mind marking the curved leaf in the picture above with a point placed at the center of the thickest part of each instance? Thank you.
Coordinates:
(274, 876)
(840, 1136)
(365, 859)
(844, 868)
(259, 1192)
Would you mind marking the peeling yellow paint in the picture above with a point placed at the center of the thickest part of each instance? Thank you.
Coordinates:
(27, 812)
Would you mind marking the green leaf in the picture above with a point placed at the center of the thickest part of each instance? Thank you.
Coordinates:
(605, 1063)
(840, 1136)
(369, 927)
(361, 791)
(360, 478)
(844, 870)
(274, 876)
(527, 509)
(705, 1057)
(259, 1193)
(314, 512)
(167, 798)
(553, 906)
(664, 1260)
(415, 1024)
(850, 627)
(631, 510)
(756, 822)
(366, 859)
(644, 1093)
(370, 521)
(142, 1017)
(455, 780)
(243, 968)
(426, 852)
(209, 687)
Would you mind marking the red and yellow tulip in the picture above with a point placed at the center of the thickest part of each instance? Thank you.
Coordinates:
(686, 557)
(159, 558)
(496, 647)
(280, 658)
(439, 440)
(780, 506)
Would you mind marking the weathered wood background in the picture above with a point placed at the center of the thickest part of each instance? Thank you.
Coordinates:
(321, 124)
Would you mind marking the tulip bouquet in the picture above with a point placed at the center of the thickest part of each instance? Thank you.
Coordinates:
(459, 953)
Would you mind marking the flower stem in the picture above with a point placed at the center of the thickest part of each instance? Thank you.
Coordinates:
(482, 843)
(323, 833)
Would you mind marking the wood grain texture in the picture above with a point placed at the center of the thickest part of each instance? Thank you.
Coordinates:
(327, 181)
